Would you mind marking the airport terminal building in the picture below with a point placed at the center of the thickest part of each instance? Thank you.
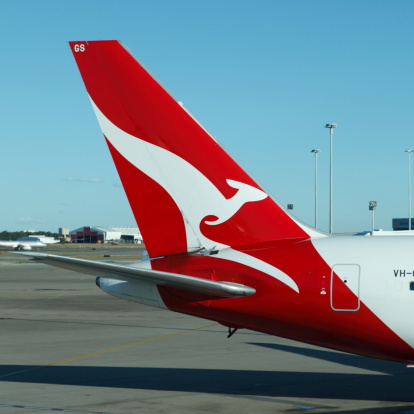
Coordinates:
(105, 234)
(399, 224)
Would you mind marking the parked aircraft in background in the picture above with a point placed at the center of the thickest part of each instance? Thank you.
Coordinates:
(237, 257)
(21, 245)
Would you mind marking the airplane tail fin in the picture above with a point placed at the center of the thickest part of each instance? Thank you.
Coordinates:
(186, 193)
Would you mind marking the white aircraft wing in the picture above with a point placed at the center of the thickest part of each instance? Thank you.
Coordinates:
(129, 273)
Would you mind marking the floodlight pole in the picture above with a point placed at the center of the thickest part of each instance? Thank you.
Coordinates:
(409, 151)
(373, 221)
(331, 127)
(372, 206)
(316, 152)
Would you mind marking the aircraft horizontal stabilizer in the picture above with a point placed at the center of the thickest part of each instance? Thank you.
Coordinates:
(131, 274)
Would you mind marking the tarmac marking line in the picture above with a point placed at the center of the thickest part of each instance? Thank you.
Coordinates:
(66, 410)
(106, 350)
(128, 345)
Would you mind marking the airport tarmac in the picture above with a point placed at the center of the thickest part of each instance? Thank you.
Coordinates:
(68, 347)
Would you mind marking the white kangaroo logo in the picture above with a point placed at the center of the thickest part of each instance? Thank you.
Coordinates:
(195, 195)
(245, 194)
(178, 177)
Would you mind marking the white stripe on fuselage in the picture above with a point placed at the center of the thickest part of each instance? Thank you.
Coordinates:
(383, 286)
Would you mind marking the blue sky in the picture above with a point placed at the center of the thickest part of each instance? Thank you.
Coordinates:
(263, 77)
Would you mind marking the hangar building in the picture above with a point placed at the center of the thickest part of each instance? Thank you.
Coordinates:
(103, 234)
(39, 237)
